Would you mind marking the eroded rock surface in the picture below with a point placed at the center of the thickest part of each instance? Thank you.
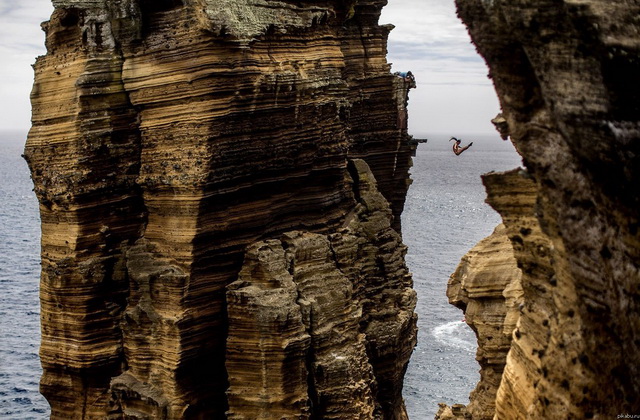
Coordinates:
(339, 340)
(567, 75)
(487, 287)
(168, 136)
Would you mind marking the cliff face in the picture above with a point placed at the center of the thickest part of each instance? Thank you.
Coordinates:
(487, 287)
(191, 159)
(343, 296)
(567, 76)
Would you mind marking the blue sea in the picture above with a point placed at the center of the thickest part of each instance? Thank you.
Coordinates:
(19, 275)
(445, 215)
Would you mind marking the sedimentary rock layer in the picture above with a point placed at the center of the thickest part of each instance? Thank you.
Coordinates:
(514, 194)
(487, 287)
(567, 75)
(167, 137)
(332, 317)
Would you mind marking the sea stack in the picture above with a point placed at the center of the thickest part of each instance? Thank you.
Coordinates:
(220, 187)
(567, 74)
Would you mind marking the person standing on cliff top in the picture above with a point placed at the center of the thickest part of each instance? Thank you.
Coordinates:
(407, 77)
(456, 146)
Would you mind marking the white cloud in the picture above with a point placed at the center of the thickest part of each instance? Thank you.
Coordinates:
(21, 41)
(454, 94)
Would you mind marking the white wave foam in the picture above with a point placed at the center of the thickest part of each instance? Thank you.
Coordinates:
(455, 334)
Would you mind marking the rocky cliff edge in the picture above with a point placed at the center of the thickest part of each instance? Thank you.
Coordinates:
(220, 188)
(567, 76)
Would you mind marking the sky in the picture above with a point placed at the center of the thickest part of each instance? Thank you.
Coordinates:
(21, 41)
(453, 94)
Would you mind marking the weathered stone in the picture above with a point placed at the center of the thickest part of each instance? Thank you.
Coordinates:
(567, 76)
(268, 344)
(487, 287)
(167, 137)
(326, 343)
(502, 126)
(455, 412)
(513, 194)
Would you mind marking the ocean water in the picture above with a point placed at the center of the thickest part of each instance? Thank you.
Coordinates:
(445, 215)
(19, 275)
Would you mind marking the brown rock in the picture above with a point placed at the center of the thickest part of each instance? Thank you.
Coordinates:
(331, 349)
(487, 287)
(513, 194)
(268, 343)
(502, 126)
(167, 137)
(455, 412)
(567, 77)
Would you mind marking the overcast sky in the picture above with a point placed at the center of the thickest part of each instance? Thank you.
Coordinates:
(453, 97)
(21, 41)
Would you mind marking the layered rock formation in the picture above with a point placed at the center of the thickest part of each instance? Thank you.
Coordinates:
(567, 76)
(317, 305)
(169, 137)
(487, 287)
